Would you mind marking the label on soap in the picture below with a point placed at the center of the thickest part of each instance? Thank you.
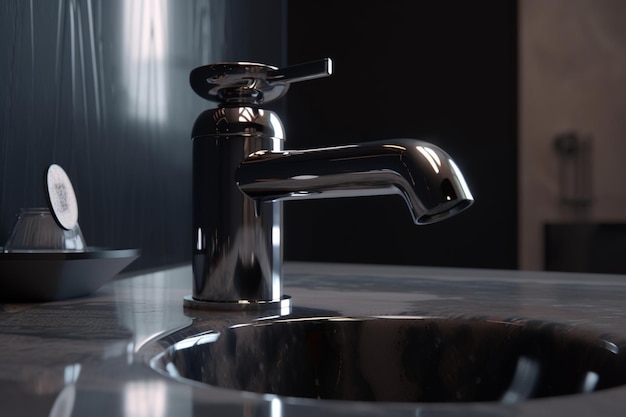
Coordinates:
(61, 197)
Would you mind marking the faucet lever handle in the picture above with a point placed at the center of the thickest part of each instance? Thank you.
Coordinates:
(246, 83)
(301, 72)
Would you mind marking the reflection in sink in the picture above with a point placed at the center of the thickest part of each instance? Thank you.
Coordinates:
(407, 359)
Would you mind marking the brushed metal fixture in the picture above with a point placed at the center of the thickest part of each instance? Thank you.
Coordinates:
(241, 175)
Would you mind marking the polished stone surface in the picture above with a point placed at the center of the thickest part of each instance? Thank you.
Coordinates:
(89, 356)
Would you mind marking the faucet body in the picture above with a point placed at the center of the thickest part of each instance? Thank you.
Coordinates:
(237, 251)
(242, 173)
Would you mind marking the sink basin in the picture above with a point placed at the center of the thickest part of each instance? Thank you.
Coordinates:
(397, 358)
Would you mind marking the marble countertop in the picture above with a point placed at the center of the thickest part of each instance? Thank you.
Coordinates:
(88, 356)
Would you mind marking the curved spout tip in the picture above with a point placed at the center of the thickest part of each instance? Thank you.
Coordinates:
(450, 196)
(444, 211)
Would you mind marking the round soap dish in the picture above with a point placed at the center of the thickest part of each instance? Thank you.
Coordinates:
(49, 276)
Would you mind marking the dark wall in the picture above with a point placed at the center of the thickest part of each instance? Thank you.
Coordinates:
(440, 71)
(101, 88)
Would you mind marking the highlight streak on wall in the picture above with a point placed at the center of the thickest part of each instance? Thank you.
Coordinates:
(145, 54)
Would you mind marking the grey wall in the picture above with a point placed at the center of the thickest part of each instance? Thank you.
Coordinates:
(572, 78)
(101, 88)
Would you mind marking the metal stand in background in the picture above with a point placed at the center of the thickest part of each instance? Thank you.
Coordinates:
(575, 169)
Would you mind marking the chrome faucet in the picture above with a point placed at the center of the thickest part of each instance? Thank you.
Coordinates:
(241, 175)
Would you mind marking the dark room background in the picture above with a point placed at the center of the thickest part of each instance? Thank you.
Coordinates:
(441, 71)
(101, 88)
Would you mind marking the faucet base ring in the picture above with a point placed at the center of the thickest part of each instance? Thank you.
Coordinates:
(283, 305)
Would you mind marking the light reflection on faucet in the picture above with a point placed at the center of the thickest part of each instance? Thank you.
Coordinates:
(431, 157)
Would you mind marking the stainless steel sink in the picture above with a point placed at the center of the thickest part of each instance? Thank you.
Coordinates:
(396, 358)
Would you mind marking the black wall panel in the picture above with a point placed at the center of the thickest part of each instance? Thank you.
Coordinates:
(442, 71)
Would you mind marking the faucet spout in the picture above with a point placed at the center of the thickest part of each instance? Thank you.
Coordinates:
(426, 177)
